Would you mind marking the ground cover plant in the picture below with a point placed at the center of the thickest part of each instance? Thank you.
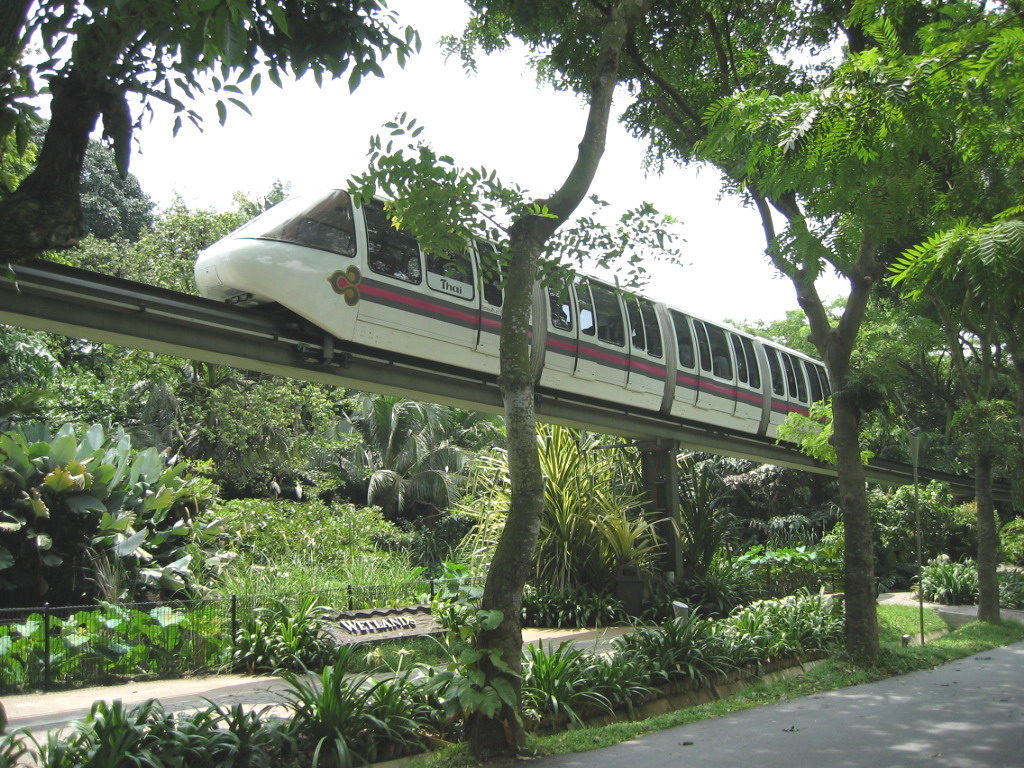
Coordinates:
(947, 581)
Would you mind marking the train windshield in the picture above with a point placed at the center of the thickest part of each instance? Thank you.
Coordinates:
(324, 222)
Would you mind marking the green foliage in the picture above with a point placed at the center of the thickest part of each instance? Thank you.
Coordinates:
(784, 570)
(114, 735)
(813, 433)
(558, 686)
(947, 581)
(285, 547)
(115, 643)
(80, 490)
(591, 526)
(409, 455)
(989, 427)
(284, 636)
(114, 206)
(704, 526)
(944, 529)
(572, 609)
(1011, 541)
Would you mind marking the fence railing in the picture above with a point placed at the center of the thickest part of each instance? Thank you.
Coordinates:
(48, 647)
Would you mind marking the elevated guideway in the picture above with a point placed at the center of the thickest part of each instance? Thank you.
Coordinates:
(81, 304)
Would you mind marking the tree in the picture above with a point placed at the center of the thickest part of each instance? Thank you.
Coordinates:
(102, 54)
(405, 457)
(444, 208)
(690, 57)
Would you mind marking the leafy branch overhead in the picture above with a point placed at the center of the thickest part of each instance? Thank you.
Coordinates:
(98, 59)
(447, 206)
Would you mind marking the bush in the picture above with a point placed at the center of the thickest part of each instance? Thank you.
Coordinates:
(946, 528)
(1011, 541)
(784, 571)
(950, 582)
(283, 637)
(573, 609)
(558, 686)
(85, 502)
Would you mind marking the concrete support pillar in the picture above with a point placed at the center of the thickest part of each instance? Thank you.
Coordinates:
(660, 473)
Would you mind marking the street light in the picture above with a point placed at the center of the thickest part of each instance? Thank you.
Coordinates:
(915, 450)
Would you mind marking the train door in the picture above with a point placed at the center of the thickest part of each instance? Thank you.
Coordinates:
(687, 377)
(717, 370)
(602, 357)
(780, 407)
(560, 339)
(817, 378)
(491, 298)
(796, 383)
(749, 397)
(646, 353)
(393, 311)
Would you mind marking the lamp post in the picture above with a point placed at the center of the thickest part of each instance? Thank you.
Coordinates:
(915, 450)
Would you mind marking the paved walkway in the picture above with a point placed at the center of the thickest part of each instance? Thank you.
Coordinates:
(965, 714)
(955, 615)
(41, 711)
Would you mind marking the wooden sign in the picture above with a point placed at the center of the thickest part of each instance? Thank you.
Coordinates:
(383, 624)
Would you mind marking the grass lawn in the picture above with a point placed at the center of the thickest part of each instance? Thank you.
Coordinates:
(837, 672)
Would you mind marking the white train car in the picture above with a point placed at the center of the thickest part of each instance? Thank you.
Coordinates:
(345, 269)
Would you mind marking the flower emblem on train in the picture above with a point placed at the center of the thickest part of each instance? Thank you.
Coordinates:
(347, 284)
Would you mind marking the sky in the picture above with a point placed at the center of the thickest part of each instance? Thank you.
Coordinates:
(500, 118)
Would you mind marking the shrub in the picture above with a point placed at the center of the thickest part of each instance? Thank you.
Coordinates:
(344, 718)
(572, 609)
(558, 686)
(683, 648)
(724, 585)
(85, 502)
(1011, 541)
(944, 528)
(781, 572)
(283, 636)
(946, 581)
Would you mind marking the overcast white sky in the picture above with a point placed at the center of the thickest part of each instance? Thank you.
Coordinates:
(499, 118)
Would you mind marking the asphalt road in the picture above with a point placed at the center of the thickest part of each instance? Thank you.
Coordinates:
(966, 714)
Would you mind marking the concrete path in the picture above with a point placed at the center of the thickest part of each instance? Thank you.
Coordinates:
(955, 615)
(965, 714)
(42, 711)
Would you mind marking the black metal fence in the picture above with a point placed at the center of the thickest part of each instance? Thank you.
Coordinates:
(48, 647)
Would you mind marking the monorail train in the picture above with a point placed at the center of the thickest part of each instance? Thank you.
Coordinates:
(345, 269)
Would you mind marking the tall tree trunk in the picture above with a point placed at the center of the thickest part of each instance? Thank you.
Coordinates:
(988, 541)
(859, 590)
(513, 559)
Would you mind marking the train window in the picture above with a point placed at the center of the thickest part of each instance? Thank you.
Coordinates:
(561, 309)
(636, 324)
(490, 273)
(607, 310)
(684, 340)
(813, 380)
(778, 383)
(825, 388)
(753, 368)
(390, 251)
(714, 350)
(795, 377)
(741, 360)
(651, 329)
(450, 272)
(586, 307)
(326, 224)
